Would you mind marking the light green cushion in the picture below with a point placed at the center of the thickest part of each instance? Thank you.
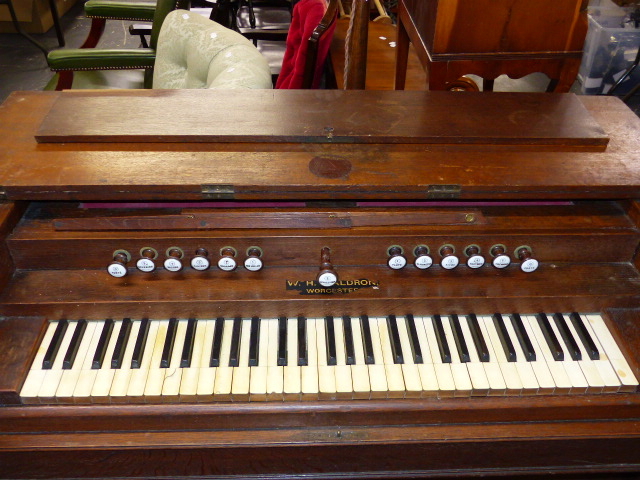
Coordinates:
(195, 52)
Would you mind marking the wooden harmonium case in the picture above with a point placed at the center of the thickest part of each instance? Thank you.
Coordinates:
(368, 287)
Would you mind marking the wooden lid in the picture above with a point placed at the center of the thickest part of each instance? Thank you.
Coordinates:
(264, 163)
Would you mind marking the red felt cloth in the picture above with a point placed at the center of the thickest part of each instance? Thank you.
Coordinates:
(306, 17)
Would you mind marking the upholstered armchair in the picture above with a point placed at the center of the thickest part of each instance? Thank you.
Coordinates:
(195, 52)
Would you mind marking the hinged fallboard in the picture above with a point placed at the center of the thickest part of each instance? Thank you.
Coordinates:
(331, 145)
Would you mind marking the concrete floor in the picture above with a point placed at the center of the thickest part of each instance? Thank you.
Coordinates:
(24, 67)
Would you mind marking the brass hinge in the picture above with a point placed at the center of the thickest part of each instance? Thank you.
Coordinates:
(443, 192)
(218, 192)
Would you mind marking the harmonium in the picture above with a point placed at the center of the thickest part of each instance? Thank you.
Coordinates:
(319, 285)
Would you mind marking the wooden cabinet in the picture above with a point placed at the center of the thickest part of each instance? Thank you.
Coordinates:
(493, 37)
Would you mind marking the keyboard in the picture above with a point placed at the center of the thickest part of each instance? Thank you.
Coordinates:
(335, 357)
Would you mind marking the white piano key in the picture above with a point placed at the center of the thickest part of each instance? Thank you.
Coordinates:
(200, 379)
(70, 377)
(292, 374)
(33, 382)
(377, 373)
(558, 372)
(54, 374)
(122, 376)
(102, 384)
(427, 372)
(604, 366)
(578, 381)
(344, 384)
(155, 377)
(508, 369)
(224, 373)
(242, 373)
(410, 373)
(359, 371)
(275, 373)
(309, 373)
(459, 370)
(628, 380)
(138, 380)
(588, 367)
(173, 374)
(477, 372)
(84, 385)
(446, 383)
(527, 376)
(395, 379)
(326, 372)
(546, 383)
(258, 374)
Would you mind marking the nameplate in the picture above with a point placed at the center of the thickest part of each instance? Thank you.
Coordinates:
(322, 116)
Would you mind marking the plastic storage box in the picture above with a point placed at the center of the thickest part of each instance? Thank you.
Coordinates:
(609, 49)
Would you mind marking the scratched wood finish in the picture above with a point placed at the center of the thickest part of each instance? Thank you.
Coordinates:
(282, 171)
(322, 117)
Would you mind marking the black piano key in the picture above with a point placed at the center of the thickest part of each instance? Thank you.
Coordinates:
(458, 337)
(503, 335)
(121, 343)
(367, 343)
(586, 339)
(167, 350)
(394, 337)
(565, 333)
(443, 346)
(54, 346)
(282, 341)
(216, 348)
(254, 342)
(141, 342)
(187, 348)
(478, 338)
(416, 350)
(103, 342)
(303, 358)
(72, 351)
(550, 337)
(349, 348)
(330, 340)
(523, 338)
(234, 354)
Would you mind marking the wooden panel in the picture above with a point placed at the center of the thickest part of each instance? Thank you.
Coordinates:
(323, 117)
(507, 26)
(19, 340)
(94, 294)
(290, 171)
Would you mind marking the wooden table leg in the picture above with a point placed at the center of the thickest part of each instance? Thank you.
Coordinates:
(402, 55)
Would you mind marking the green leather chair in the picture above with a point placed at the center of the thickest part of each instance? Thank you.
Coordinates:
(67, 61)
(195, 52)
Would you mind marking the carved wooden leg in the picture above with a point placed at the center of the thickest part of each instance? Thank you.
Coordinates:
(568, 74)
(65, 80)
(97, 28)
(487, 84)
(402, 56)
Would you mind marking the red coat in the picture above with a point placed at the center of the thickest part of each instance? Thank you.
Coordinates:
(306, 17)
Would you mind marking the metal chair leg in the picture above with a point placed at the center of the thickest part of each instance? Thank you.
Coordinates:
(16, 24)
